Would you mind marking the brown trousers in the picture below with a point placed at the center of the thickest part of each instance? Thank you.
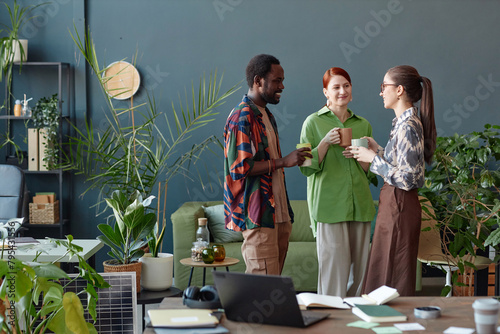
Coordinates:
(264, 249)
(393, 255)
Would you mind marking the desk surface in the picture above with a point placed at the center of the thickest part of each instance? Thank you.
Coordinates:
(90, 247)
(456, 311)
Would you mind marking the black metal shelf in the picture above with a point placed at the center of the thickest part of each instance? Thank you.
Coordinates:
(64, 77)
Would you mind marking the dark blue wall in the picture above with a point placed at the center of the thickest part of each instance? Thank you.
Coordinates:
(454, 43)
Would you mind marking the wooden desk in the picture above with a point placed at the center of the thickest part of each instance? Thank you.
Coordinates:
(456, 311)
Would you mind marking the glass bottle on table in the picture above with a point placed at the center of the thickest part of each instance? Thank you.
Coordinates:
(202, 231)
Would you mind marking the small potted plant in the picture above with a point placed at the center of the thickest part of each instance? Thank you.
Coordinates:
(12, 48)
(133, 225)
(46, 118)
(157, 267)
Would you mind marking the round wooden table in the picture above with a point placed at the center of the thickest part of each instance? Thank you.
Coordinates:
(228, 261)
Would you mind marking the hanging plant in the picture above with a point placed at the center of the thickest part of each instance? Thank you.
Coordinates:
(46, 118)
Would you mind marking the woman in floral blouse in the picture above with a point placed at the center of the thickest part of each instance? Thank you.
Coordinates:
(412, 141)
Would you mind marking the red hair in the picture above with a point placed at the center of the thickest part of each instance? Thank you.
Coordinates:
(334, 71)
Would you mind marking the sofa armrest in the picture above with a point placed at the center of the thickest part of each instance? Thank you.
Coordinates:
(184, 225)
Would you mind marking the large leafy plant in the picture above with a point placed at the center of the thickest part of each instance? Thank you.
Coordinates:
(133, 225)
(34, 300)
(463, 186)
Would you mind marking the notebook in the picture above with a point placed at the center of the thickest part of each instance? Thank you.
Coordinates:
(184, 318)
(262, 299)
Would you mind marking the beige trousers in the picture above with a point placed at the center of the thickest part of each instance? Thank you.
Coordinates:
(264, 249)
(343, 250)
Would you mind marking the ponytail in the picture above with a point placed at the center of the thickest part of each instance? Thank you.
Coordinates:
(427, 119)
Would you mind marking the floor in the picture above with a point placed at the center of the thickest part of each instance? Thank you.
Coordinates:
(431, 286)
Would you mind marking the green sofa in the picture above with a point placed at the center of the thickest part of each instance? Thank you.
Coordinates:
(301, 262)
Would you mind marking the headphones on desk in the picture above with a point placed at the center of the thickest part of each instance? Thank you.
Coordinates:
(206, 297)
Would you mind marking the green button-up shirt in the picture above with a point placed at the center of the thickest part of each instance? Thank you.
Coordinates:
(337, 189)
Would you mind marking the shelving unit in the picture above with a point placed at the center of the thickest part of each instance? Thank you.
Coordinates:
(64, 77)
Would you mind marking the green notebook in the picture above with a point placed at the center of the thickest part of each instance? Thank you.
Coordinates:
(378, 313)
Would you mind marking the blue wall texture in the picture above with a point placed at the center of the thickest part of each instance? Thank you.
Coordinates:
(453, 42)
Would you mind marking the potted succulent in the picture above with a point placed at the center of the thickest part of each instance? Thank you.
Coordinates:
(463, 185)
(32, 300)
(46, 118)
(157, 267)
(132, 229)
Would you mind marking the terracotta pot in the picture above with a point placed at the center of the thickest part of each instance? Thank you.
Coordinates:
(157, 272)
(112, 266)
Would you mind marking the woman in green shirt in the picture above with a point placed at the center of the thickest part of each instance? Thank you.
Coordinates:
(338, 193)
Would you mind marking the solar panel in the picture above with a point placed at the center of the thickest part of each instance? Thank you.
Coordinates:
(116, 306)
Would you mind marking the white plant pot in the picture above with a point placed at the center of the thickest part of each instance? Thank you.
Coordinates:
(17, 51)
(157, 272)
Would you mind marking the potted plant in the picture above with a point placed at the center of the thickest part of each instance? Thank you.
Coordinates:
(131, 153)
(132, 228)
(13, 49)
(463, 187)
(33, 300)
(46, 118)
(157, 267)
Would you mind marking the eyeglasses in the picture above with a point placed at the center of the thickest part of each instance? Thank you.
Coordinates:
(383, 85)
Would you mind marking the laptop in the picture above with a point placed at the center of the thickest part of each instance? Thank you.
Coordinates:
(260, 299)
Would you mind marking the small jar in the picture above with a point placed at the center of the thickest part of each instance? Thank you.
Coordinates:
(219, 252)
(208, 255)
(18, 108)
(197, 249)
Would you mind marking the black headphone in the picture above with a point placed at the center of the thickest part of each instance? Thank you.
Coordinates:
(206, 297)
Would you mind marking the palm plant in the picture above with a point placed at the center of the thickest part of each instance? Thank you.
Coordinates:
(133, 154)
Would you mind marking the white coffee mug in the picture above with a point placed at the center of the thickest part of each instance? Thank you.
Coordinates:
(361, 142)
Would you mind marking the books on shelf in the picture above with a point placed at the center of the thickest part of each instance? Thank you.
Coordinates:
(378, 296)
(308, 299)
(378, 313)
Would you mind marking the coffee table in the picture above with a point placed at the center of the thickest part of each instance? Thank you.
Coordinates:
(228, 261)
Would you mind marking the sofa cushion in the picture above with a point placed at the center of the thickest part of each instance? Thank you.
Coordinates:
(301, 228)
(218, 232)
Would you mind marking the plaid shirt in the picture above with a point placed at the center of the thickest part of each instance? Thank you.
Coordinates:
(248, 200)
(401, 163)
